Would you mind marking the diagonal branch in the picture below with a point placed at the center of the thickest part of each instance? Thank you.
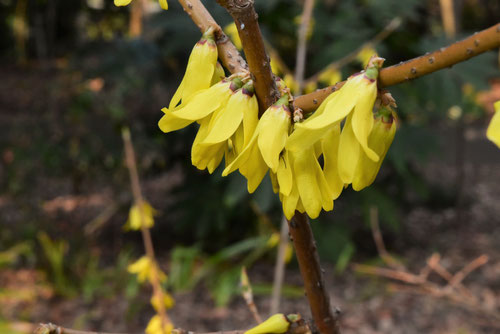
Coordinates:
(472, 46)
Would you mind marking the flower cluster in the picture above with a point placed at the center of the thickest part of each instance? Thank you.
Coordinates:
(310, 159)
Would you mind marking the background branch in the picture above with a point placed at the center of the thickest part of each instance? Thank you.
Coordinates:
(300, 64)
(472, 46)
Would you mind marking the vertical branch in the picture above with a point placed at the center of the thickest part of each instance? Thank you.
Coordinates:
(146, 235)
(311, 272)
(245, 17)
(302, 44)
(135, 23)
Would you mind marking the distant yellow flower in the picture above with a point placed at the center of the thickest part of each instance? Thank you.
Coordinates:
(163, 3)
(265, 146)
(145, 269)
(232, 32)
(493, 132)
(135, 219)
(168, 301)
(155, 326)
(366, 54)
(200, 70)
(330, 76)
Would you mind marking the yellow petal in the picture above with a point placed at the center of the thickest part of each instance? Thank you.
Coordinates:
(380, 139)
(169, 122)
(122, 2)
(362, 119)
(254, 169)
(274, 182)
(348, 155)
(330, 148)
(493, 132)
(305, 176)
(250, 119)
(284, 175)
(136, 219)
(227, 122)
(199, 71)
(290, 202)
(163, 4)
(205, 156)
(155, 326)
(242, 158)
(219, 74)
(273, 133)
(232, 32)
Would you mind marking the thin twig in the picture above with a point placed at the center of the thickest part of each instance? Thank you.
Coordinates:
(460, 276)
(54, 329)
(302, 44)
(279, 267)
(379, 241)
(146, 235)
(337, 64)
(246, 291)
(472, 46)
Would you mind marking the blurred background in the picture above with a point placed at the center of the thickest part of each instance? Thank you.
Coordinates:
(74, 73)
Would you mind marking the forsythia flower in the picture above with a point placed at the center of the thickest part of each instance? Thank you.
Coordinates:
(330, 76)
(145, 269)
(264, 148)
(155, 326)
(366, 54)
(202, 65)
(493, 132)
(277, 323)
(380, 140)
(168, 301)
(163, 3)
(135, 219)
(355, 101)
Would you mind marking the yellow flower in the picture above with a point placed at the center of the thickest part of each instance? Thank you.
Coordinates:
(366, 54)
(168, 301)
(303, 185)
(199, 71)
(201, 105)
(145, 269)
(380, 140)
(155, 326)
(163, 3)
(232, 31)
(355, 101)
(330, 76)
(264, 147)
(135, 219)
(493, 132)
(277, 323)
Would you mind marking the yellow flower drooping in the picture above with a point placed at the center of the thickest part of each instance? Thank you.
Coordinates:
(355, 101)
(163, 3)
(330, 76)
(136, 219)
(200, 70)
(380, 140)
(201, 105)
(493, 132)
(265, 146)
(277, 323)
(155, 326)
(145, 269)
(168, 301)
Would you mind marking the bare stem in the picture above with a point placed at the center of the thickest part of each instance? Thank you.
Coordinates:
(302, 43)
(245, 18)
(146, 235)
(311, 272)
(279, 268)
(472, 46)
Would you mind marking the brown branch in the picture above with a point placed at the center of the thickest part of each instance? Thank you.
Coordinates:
(383, 34)
(302, 43)
(54, 329)
(228, 54)
(146, 234)
(245, 18)
(311, 272)
(472, 46)
(379, 241)
(460, 276)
